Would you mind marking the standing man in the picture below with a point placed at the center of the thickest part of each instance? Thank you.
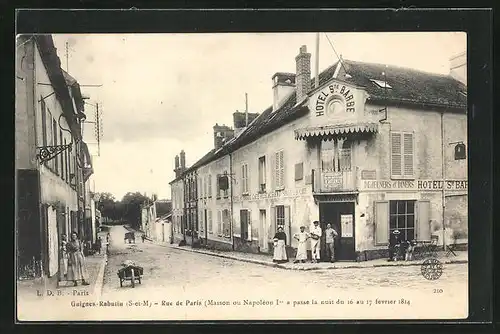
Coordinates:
(315, 241)
(330, 235)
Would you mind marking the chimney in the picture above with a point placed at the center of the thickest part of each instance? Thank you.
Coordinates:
(283, 86)
(239, 120)
(177, 167)
(303, 71)
(183, 161)
(222, 133)
(458, 67)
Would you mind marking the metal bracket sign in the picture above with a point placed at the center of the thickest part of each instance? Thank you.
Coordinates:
(46, 153)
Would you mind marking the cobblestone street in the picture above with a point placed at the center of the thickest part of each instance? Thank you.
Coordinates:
(185, 275)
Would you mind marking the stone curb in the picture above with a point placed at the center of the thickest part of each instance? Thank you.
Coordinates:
(99, 282)
(275, 265)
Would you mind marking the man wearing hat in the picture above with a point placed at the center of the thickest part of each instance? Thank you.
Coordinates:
(394, 243)
(315, 241)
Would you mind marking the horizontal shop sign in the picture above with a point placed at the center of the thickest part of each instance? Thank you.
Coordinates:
(416, 185)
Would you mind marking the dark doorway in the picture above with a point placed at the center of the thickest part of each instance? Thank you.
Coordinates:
(341, 217)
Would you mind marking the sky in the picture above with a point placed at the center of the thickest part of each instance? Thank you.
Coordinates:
(163, 93)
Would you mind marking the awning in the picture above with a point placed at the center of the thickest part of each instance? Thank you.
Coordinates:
(335, 130)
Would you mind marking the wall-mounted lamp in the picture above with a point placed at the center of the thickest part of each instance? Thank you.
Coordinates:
(460, 150)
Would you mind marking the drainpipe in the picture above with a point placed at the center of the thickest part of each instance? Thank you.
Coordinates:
(231, 196)
(443, 171)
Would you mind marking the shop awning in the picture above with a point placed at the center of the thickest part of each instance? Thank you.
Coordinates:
(335, 130)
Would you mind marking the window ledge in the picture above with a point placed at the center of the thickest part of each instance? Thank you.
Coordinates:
(403, 178)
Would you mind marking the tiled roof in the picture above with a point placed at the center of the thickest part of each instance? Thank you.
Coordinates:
(408, 86)
(52, 64)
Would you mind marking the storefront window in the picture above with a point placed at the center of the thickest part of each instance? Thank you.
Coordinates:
(402, 218)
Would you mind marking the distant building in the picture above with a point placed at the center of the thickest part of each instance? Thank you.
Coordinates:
(372, 149)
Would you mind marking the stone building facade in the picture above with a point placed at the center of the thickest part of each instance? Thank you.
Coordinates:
(50, 194)
(372, 149)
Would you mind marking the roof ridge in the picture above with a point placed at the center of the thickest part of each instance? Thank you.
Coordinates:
(405, 68)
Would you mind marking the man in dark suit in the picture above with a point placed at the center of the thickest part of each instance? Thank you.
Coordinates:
(394, 244)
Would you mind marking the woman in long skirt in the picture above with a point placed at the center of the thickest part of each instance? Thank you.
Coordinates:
(302, 238)
(76, 261)
(280, 246)
(63, 258)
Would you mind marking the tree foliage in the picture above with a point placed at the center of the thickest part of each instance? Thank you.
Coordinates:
(128, 209)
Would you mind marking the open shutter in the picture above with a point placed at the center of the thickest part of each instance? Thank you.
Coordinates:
(249, 225)
(423, 229)
(408, 154)
(381, 222)
(282, 168)
(272, 225)
(276, 168)
(396, 168)
(288, 225)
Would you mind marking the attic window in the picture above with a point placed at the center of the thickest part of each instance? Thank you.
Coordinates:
(463, 93)
(380, 83)
(348, 76)
(288, 81)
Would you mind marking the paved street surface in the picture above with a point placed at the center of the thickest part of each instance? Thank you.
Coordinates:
(210, 286)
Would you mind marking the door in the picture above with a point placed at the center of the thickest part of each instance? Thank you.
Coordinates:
(341, 217)
(263, 231)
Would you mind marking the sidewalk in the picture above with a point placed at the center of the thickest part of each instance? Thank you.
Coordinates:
(27, 289)
(266, 260)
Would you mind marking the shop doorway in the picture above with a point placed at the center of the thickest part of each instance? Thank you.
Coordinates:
(341, 217)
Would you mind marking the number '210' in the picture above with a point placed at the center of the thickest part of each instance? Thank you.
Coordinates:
(437, 290)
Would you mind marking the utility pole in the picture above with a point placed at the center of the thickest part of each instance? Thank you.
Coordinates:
(98, 130)
(67, 57)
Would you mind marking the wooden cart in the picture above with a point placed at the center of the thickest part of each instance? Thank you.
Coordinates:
(130, 237)
(130, 273)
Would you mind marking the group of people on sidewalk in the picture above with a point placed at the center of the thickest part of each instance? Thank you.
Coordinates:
(72, 265)
(315, 234)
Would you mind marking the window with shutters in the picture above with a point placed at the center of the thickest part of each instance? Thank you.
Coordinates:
(244, 221)
(262, 174)
(402, 155)
(244, 179)
(279, 170)
(402, 218)
(209, 185)
(219, 223)
(209, 221)
(226, 228)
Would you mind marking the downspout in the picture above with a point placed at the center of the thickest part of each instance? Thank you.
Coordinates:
(443, 171)
(231, 196)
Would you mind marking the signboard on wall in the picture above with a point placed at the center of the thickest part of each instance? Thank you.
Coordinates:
(335, 98)
(347, 228)
(416, 185)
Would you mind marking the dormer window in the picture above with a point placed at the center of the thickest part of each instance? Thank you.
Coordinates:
(380, 83)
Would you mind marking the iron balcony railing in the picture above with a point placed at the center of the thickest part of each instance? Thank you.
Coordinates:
(334, 181)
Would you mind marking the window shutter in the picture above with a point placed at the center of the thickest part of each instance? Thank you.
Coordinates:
(282, 169)
(423, 225)
(277, 170)
(396, 168)
(408, 154)
(219, 222)
(272, 226)
(288, 225)
(381, 222)
(249, 225)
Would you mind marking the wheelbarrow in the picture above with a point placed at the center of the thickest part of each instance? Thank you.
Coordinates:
(130, 272)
